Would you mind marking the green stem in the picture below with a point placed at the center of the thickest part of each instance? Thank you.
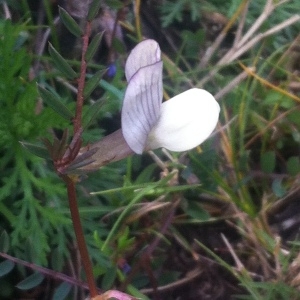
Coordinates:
(138, 20)
(125, 211)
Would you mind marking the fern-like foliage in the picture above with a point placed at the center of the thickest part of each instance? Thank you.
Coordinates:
(29, 192)
(173, 11)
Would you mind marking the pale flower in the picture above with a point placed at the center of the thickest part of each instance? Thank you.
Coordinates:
(179, 124)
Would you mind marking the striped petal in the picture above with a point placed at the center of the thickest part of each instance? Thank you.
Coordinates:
(143, 54)
(143, 96)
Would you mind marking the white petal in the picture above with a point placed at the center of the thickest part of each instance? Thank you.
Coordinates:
(185, 121)
(141, 105)
(143, 54)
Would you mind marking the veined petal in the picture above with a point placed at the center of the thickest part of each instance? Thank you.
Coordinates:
(143, 54)
(141, 105)
(185, 121)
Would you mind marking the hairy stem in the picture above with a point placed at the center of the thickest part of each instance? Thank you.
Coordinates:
(81, 80)
(87, 265)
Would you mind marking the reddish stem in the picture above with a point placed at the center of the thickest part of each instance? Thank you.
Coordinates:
(87, 265)
(69, 156)
(47, 272)
(81, 79)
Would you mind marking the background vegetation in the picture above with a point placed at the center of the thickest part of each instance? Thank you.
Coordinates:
(219, 222)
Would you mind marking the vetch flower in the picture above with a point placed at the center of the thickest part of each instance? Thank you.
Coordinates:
(179, 124)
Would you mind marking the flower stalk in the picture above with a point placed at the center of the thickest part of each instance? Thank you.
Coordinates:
(86, 262)
(81, 81)
(69, 156)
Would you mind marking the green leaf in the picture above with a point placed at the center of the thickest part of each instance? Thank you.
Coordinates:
(57, 259)
(276, 98)
(55, 103)
(92, 112)
(293, 165)
(92, 83)
(5, 267)
(37, 150)
(93, 46)
(70, 23)
(296, 136)
(118, 45)
(172, 11)
(61, 64)
(109, 278)
(31, 281)
(62, 291)
(277, 188)
(294, 117)
(267, 161)
(4, 242)
(136, 293)
(112, 89)
(93, 9)
(195, 211)
(115, 4)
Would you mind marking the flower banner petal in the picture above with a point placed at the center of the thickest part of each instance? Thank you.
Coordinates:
(143, 54)
(141, 105)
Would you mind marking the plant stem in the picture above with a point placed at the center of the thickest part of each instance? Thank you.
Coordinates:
(81, 79)
(138, 20)
(87, 265)
(45, 271)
